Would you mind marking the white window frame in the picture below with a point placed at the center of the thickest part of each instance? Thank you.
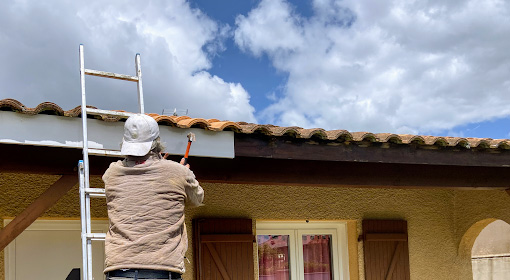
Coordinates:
(339, 249)
(49, 225)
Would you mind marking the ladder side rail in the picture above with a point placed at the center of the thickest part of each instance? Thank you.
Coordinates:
(83, 222)
(87, 268)
(139, 84)
(87, 212)
(84, 119)
(89, 259)
(88, 232)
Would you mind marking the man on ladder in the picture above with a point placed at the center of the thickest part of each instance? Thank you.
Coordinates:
(146, 196)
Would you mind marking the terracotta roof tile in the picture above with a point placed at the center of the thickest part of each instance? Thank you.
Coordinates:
(163, 119)
(47, 107)
(281, 131)
(406, 138)
(249, 128)
(272, 130)
(481, 143)
(500, 144)
(363, 136)
(189, 122)
(313, 132)
(389, 137)
(339, 135)
(439, 141)
(13, 104)
(227, 125)
(180, 118)
(75, 112)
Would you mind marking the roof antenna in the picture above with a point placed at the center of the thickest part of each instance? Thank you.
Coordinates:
(175, 112)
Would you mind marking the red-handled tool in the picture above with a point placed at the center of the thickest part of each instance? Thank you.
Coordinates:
(191, 138)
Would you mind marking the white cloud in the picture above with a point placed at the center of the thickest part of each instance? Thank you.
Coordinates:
(394, 66)
(276, 16)
(39, 42)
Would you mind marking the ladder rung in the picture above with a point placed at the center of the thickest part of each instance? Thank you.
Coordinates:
(100, 152)
(95, 192)
(111, 75)
(96, 236)
(108, 112)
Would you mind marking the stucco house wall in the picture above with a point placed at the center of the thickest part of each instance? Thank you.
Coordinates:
(439, 220)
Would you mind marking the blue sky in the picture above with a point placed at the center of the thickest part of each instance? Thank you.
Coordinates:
(236, 65)
(256, 74)
(433, 68)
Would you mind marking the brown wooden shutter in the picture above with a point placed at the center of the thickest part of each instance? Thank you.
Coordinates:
(386, 251)
(223, 249)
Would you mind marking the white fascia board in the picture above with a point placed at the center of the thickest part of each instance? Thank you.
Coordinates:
(58, 131)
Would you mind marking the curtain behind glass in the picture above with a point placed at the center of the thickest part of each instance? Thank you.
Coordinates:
(317, 257)
(273, 251)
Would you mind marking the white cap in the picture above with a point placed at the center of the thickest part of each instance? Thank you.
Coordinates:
(139, 132)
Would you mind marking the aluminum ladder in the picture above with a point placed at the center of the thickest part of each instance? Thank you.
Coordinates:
(86, 192)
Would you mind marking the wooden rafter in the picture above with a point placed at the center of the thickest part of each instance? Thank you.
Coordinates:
(305, 149)
(36, 209)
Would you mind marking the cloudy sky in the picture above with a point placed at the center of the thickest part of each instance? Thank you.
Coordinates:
(420, 67)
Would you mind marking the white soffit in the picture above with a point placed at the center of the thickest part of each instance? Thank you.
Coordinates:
(58, 131)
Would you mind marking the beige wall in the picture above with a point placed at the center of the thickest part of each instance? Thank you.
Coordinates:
(437, 219)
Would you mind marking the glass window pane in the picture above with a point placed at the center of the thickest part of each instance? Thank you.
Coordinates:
(273, 253)
(317, 257)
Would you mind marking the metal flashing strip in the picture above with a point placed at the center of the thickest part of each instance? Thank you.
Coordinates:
(58, 131)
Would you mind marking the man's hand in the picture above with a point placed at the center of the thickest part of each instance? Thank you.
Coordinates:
(165, 155)
(182, 162)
